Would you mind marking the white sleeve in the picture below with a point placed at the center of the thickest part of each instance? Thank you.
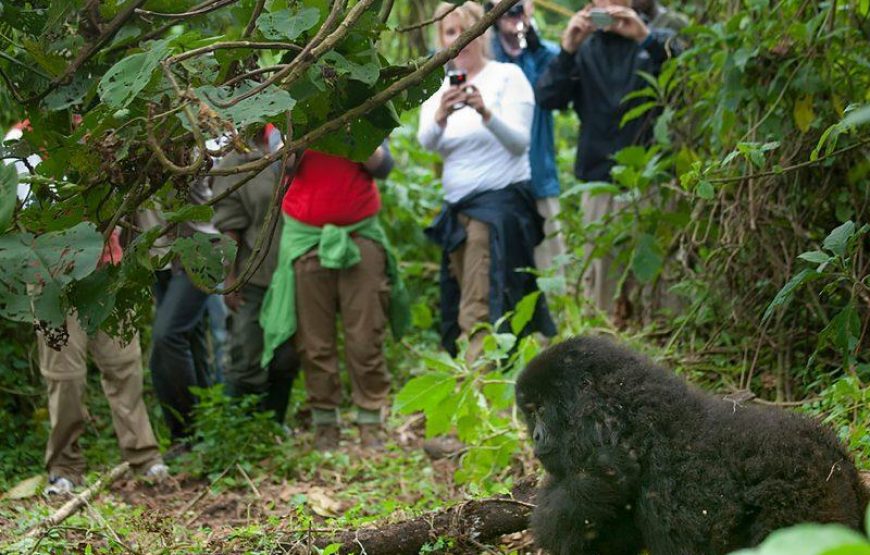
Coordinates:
(513, 126)
(429, 132)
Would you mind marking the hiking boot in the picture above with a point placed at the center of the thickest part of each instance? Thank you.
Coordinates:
(58, 485)
(156, 473)
(326, 437)
(371, 436)
(442, 447)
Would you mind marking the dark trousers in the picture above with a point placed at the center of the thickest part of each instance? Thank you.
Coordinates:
(244, 375)
(179, 355)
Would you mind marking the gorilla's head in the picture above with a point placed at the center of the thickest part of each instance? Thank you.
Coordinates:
(566, 397)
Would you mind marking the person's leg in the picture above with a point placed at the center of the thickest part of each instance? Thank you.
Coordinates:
(173, 370)
(599, 287)
(315, 340)
(470, 265)
(217, 327)
(553, 244)
(64, 372)
(364, 296)
(121, 368)
(244, 375)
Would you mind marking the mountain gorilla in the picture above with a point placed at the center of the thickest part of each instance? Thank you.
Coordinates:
(637, 459)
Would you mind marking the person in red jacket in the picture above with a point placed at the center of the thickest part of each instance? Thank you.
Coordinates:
(334, 259)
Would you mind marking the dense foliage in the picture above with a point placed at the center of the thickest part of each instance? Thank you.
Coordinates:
(744, 233)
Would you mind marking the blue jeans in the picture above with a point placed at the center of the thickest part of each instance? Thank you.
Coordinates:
(179, 355)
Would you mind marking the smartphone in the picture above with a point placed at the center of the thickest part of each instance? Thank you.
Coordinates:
(457, 77)
(600, 18)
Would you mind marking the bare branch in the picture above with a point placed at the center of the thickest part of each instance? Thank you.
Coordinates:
(427, 22)
(218, 4)
(236, 44)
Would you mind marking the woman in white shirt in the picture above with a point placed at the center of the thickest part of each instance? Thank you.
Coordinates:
(489, 225)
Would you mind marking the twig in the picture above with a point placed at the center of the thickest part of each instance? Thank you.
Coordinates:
(429, 21)
(794, 167)
(209, 8)
(202, 494)
(248, 480)
(78, 501)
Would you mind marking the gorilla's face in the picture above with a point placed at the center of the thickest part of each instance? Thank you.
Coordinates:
(545, 428)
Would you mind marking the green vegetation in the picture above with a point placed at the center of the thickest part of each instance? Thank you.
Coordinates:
(743, 236)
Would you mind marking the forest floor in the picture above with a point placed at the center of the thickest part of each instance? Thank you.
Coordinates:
(264, 509)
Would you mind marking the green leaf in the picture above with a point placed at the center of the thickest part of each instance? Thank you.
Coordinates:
(71, 94)
(857, 117)
(190, 213)
(838, 239)
(784, 296)
(844, 329)
(421, 316)
(52, 260)
(124, 80)
(331, 549)
(523, 312)
(646, 263)
(424, 391)
(803, 113)
(203, 257)
(255, 109)
(808, 539)
(705, 190)
(366, 73)
(637, 112)
(8, 194)
(287, 24)
(816, 257)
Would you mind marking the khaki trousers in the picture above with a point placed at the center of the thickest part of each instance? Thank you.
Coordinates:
(361, 294)
(65, 372)
(553, 244)
(470, 266)
(600, 281)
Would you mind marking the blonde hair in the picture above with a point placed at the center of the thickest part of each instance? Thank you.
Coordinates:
(469, 14)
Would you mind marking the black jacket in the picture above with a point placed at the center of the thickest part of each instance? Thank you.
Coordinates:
(595, 79)
(515, 228)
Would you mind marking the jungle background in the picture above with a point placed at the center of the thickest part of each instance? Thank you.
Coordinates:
(748, 214)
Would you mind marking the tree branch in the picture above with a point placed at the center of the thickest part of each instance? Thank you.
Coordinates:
(218, 4)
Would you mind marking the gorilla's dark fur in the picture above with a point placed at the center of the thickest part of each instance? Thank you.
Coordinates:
(639, 459)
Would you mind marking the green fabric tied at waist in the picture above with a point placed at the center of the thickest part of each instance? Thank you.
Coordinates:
(337, 251)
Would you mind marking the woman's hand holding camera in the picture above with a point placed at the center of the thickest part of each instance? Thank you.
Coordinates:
(457, 97)
(452, 99)
(474, 99)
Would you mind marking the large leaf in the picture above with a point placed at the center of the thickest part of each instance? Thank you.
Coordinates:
(784, 296)
(810, 539)
(523, 312)
(838, 239)
(124, 80)
(204, 257)
(258, 108)
(287, 24)
(423, 392)
(47, 263)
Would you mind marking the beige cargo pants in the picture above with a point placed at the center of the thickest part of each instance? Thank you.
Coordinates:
(65, 371)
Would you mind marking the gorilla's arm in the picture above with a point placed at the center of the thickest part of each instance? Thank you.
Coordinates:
(588, 513)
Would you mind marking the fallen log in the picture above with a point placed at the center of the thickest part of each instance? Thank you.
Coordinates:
(472, 522)
(78, 501)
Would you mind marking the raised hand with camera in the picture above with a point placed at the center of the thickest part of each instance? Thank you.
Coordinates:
(579, 27)
(627, 22)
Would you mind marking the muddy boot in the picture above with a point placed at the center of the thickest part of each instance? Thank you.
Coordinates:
(371, 436)
(326, 437)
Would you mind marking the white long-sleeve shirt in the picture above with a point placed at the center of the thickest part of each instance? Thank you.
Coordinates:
(482, 156)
